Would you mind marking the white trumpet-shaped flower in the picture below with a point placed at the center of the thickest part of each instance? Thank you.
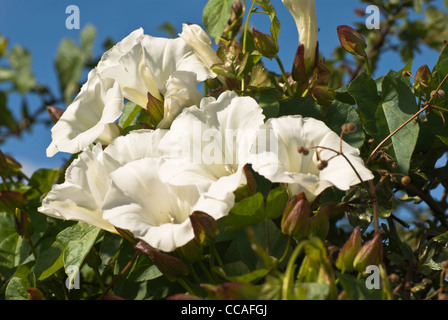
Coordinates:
(87, 180)
(284, 164)
(154, 210)
(212, 142)
(304, 14)
(198, 39)
(137, 65)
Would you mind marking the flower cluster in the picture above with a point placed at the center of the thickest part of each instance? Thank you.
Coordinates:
(151, 180)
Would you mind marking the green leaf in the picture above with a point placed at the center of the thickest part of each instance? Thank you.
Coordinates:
(130, 112)
(7, 119)
(9, 241)
(276, 202)
(17, 289)
(82, 237)
(50, 260)
(269, 103)
(339, 113)
(248, 211)
(20, 60)
(43, 179)
(270, 11)
(144, 270)
(399, 105)
(215, 16)
(305, 107)
(311, 291)
(364, 90)
(71, 60)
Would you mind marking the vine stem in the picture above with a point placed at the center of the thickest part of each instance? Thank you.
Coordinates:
(285, 78)
(290, 270)
(125, 269)
(246, 26)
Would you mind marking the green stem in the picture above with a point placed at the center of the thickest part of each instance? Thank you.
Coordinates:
(285, 78)
(206, 272)
(285, 254)
(187, 286)
(193, 272)
(287, 280)
(216, 254)
(366, 60)
(246, 26)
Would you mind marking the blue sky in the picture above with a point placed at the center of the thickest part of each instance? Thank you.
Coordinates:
(39, 26)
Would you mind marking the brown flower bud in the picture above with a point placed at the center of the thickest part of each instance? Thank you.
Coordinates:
(320, 223)
(406, 180)
(55, 113)
(35, 294)
(296, 217)
(437, 94)
(265, 44)
(204, 226)
(351, 40)
(303, 150)
(322, 164)
(172, 268)
(22, 223)
(349, 127)
(369, 254)
(349, 251)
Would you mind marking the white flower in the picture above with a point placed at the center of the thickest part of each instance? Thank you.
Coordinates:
(143, 64)
(154, 210)
(198, 39)
(304, 14)
(284, 164)
(87, 180)
(80, 197)
(137, 65)
(212, 143)
(89, 118)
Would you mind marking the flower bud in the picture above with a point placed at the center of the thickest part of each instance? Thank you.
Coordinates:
(172, 268)
(406, 180)
(265, 44)
(22, 223)
(204, 226)
(298, 71)
(198, 39)
(349, 251)
(423, 75)
(369, 254)
(349, 127)
(322, 164)
(296, 217)
(322, 95)
(303, 150)
(320, 223)
(235, 21)
(13, 199)
(155, 109)
(437, 94)
(55, 113)
(352, 41)
(35, 294)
